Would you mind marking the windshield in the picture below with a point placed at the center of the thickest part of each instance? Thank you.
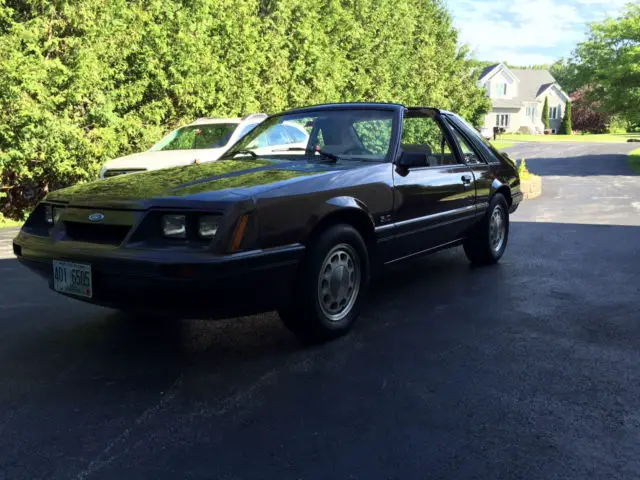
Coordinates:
(351, 134)
(192, 137)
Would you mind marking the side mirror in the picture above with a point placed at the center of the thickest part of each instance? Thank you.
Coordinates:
(412, 160)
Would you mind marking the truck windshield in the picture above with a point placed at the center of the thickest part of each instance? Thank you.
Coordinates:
(192, 137)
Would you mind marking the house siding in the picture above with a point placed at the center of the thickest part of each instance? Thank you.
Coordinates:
(518, 117)
(491, 86)
(555, 100)
(514, 113)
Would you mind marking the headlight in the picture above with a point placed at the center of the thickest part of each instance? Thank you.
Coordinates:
(208, 226)
(174, 226)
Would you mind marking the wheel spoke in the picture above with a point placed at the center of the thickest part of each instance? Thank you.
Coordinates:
(339, 282)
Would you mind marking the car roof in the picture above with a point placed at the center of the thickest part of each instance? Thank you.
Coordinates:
(358, 105)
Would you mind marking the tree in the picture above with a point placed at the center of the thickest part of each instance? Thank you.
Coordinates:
(607, 63)
(545, 113)
(586, 116)
(565, 126)
(565, 73)
(82, 82)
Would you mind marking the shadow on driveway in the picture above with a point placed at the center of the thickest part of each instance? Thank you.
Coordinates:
(580, 166)
(452, 372)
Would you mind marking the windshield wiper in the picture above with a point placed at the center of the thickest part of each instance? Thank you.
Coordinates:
(242, 152)
(330, 156)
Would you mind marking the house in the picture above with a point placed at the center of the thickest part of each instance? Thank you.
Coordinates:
(517, 96)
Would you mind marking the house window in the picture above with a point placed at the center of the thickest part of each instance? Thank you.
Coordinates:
(502, 119)
(554, 113)
(531, 113)
(501, 89)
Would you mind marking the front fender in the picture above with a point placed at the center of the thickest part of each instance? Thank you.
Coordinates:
(342, 208)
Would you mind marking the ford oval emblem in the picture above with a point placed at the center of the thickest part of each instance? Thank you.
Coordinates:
(96, 217)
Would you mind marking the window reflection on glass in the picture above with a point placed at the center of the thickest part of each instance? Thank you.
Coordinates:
(349, 134)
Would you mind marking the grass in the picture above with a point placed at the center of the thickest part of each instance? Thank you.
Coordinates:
(6, 222)
(499, 144)
(634, 160)
(587, 137)
(523, 171)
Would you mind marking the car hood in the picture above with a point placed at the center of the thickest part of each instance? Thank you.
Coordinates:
(163, 159)
(224, 179)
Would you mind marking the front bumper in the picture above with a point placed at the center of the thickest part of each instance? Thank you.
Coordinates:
(189, 284)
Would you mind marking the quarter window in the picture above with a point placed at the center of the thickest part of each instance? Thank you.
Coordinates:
(503, 120)
(468, 154)
(481, 145)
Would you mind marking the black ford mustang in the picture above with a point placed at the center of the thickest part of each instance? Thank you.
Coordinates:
(298, 229)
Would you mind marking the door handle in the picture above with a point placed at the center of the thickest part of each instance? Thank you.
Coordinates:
(466, 179)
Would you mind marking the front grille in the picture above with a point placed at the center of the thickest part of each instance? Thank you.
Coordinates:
(94, 233)
(114, 173)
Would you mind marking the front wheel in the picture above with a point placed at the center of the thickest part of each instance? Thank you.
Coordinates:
(331, 286)
(488, 240)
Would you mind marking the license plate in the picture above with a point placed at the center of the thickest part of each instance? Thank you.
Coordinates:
(72, 278)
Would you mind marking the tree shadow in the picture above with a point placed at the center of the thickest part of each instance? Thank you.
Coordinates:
(580, 166)
(83, 375)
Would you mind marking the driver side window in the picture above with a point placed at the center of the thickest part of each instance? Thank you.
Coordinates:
(422, 134)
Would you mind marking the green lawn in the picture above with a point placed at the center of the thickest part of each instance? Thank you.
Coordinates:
(634, 160)
(5, 222)
(604, 137)
(499, 144)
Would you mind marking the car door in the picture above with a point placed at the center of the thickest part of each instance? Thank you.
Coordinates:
(434, 203)
(476, 157)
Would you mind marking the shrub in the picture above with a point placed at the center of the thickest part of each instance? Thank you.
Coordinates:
(617, 125)
(586, 116)
(522, 166)
(565, 127)
(545, 114)
(82, 82)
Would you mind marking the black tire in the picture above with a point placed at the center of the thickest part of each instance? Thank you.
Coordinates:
(479, 246)
(308, 316)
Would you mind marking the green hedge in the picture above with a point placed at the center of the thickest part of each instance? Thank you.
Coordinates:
(85, 81)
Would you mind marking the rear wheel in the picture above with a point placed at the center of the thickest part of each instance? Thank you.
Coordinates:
(488, 240)
(331, 286)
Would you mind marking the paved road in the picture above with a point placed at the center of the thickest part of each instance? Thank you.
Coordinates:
(589, 183)
(525, 370)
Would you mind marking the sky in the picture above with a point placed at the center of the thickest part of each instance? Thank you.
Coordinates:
(527, 32)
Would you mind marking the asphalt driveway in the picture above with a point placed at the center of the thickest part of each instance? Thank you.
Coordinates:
(524, 370)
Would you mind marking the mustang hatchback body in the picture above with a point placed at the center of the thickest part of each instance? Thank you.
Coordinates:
(297, 229)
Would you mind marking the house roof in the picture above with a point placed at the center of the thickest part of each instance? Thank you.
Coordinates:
(486, 70)
(532, 83)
